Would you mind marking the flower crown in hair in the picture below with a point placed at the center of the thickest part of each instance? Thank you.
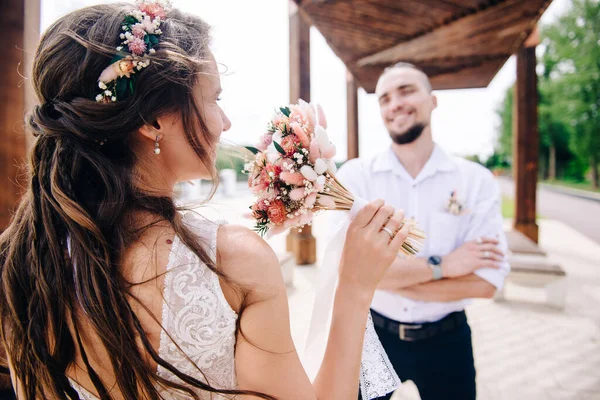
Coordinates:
(140, 32)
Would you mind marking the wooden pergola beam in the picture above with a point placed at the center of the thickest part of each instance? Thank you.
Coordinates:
(497, 21)
(302, 244)
(352, 115)
(526, 143)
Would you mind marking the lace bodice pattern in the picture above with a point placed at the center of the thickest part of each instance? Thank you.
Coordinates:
(199, 325)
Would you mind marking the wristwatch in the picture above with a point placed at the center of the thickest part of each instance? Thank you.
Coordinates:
(435, 263)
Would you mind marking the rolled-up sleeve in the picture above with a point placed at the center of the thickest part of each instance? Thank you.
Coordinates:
(485, 220)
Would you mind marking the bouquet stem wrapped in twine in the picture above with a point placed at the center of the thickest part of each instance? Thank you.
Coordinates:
(337, 197)
(292, 173)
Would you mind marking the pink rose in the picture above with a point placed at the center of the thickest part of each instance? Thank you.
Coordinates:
(277, 212)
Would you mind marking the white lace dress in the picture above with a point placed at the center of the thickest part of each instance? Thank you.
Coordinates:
(195, 316)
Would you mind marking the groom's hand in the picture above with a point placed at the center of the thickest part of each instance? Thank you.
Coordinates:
(471, 256)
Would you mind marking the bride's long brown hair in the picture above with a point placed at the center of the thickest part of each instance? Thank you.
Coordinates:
(83, 191)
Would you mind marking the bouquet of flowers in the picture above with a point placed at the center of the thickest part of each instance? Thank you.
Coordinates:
(292, 174)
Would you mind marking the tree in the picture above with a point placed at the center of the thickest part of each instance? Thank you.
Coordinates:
(573, 53)
(505, 134)
(553, 124)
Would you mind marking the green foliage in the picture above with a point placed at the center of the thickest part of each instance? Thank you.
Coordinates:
(569, 96)
(228, 161)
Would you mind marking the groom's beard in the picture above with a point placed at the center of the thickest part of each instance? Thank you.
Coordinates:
(409, 136)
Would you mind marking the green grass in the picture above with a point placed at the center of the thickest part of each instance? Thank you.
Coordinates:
(575, 185)
(508, 207)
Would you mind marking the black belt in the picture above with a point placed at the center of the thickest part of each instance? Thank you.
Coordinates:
(415, 332)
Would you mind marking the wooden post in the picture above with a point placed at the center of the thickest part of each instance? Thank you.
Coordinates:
(302, 243)
(526, 143)
(20, 21)
(352, 115)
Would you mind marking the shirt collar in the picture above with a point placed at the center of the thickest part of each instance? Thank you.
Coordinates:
(439, 161)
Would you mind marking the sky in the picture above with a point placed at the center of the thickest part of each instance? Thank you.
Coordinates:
(250, 42)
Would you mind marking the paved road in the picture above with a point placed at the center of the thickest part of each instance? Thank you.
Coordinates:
(581, 214)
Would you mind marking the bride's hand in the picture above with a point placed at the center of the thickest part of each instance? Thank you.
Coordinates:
(369, 249)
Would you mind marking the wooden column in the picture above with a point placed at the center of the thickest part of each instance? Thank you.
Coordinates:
(303, 243)
(19, 30)
(352, 114)
(526, 143)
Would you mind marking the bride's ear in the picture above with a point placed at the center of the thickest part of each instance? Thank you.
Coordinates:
(152, 129)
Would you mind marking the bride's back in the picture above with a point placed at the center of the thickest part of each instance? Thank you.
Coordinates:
(82, 274)
(182, 306)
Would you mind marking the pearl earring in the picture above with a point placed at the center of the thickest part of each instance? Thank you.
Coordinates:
(156, 145)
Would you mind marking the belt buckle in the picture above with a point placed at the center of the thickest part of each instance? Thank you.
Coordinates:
(402, 331)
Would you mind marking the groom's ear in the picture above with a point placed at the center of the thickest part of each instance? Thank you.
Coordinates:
(434, 101)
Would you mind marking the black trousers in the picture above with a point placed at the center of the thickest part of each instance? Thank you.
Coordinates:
(442, 367)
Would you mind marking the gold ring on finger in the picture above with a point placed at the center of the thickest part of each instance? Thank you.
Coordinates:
(388, 231)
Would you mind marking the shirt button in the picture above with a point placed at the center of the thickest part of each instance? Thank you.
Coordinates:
(405, 309)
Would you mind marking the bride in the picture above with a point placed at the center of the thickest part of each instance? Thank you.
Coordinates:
(111, 292)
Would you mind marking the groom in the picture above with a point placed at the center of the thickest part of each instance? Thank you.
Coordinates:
(418, 310)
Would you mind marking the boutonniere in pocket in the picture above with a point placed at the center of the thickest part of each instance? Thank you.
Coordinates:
(455, 207)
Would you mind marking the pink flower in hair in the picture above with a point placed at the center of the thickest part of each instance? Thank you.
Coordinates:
(138, 31)
(153, 10)
(137, 46)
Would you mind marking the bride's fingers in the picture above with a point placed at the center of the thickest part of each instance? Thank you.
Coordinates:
(379, 219)
(366, 214)
(395, 221)
(400, 237)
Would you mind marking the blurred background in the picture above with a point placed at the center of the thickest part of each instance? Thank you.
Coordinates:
(518, 87)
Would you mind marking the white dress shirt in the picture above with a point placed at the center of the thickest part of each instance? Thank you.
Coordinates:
(425, 198)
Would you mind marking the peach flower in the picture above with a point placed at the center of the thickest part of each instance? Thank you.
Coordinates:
(153, 10)
(277, 212)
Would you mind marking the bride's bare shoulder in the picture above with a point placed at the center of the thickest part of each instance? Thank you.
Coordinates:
(248, 259)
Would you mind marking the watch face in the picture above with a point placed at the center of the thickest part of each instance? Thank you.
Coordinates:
(435, 260)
